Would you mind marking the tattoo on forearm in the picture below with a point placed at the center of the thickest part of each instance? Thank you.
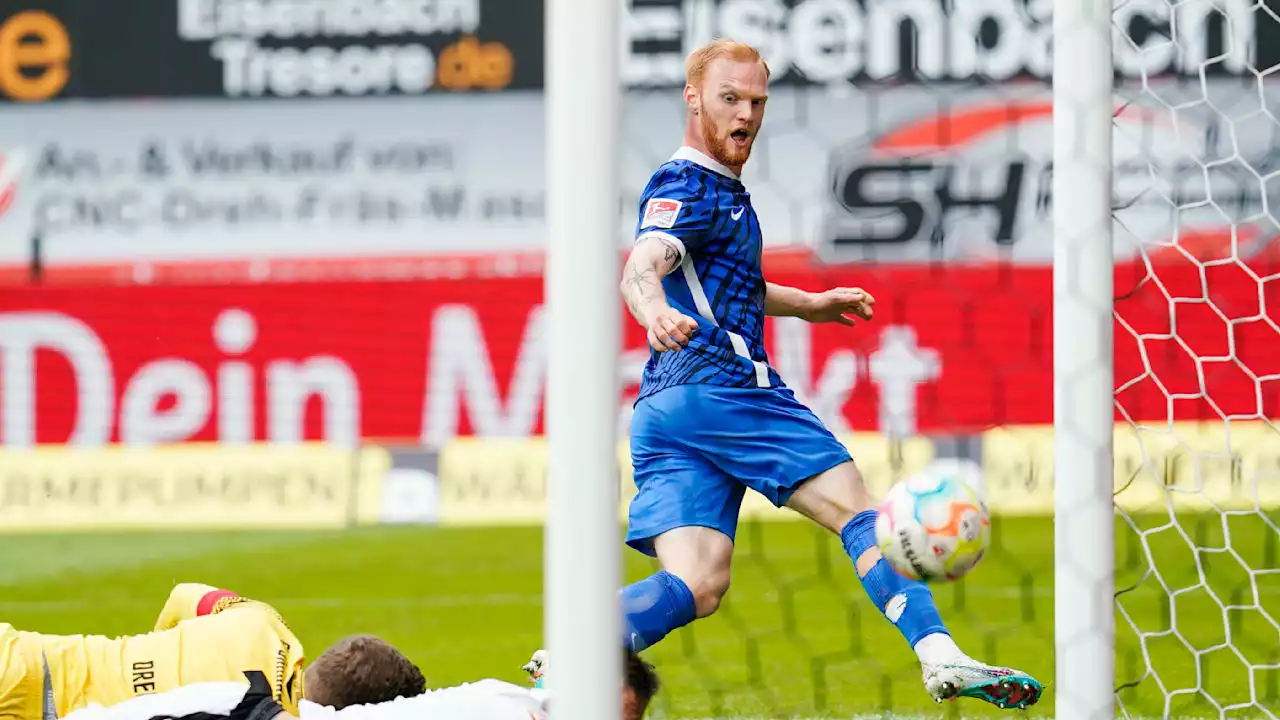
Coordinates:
(640, 283)
(640, 288)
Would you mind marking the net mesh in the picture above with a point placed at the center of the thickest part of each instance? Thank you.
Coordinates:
(1198, 587)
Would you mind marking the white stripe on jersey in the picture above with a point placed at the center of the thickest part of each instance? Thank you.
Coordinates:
(704, 309)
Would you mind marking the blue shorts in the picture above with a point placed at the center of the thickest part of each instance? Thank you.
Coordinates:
(696, 448)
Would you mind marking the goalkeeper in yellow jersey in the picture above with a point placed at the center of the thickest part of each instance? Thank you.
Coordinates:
(203, 634)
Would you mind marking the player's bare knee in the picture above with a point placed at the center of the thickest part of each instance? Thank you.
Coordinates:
(706, 604)
(708, 591)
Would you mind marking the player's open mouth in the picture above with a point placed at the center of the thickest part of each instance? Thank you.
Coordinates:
(741, 137)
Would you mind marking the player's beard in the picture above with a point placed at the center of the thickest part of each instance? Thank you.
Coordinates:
(722, 147)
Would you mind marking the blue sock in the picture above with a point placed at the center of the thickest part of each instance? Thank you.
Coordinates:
(654, 607)
(907, 603)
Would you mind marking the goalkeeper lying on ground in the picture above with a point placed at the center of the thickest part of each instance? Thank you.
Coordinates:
(203, 634)
(483, 700)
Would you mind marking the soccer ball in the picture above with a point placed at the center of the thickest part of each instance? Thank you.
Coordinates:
(933, 526)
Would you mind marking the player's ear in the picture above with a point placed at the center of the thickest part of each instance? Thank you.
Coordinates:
(691, 99)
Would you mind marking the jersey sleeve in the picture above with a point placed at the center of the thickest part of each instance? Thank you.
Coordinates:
(677, 211)
(192, 600)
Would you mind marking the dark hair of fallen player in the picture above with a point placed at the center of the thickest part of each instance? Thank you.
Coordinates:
(641, 678)
(361, 670)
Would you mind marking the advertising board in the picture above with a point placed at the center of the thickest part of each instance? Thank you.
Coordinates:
(903, 174)
(245, 49)
(503, 480)
(80, 49)
(187, 486)
(1193, 466)
(953, 350)
(843, 42)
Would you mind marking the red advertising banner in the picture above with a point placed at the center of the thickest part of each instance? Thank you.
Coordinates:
(952, 349)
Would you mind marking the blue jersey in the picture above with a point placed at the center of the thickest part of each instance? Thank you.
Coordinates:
(702, 208)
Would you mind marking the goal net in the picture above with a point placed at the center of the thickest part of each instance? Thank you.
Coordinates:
(1197, 371)
(1191, 468)
(933, 125)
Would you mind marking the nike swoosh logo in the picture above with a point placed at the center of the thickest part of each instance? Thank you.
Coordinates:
(738, 213)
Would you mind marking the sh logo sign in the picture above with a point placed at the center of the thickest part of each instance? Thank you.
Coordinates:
(953, 186)
(975, 184)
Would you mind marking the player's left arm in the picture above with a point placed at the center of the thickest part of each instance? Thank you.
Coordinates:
(834, 305)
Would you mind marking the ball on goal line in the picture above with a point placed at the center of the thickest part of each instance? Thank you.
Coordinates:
(933, 526)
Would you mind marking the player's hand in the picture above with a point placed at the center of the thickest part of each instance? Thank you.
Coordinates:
(838, 304)
(670, 330)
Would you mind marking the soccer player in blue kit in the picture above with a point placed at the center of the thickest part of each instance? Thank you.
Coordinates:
(713, 418)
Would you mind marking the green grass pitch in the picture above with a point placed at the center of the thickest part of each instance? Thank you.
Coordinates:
(796, 637)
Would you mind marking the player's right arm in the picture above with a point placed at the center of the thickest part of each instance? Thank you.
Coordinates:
(672, 222)
(650, 260)
(191, 600)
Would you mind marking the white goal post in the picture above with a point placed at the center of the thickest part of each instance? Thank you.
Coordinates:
(582, 544)
(1083, 259)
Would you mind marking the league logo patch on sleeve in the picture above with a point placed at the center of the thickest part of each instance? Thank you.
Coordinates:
(660, 212)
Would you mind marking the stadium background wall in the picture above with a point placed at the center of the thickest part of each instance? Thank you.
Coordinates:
(226, 48)
(381, 122)
(890, 174)
(955, 367)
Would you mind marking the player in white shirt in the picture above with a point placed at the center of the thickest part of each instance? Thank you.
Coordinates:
(483, 700)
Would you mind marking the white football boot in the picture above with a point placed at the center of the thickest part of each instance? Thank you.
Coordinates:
(966, 677)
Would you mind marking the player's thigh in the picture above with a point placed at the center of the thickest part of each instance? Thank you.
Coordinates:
(772, 443)
(685, 513)
(676, 486)
(831, 498)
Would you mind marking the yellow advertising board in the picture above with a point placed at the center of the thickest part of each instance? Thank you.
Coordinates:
(190, 486)
(1189, 465)
(492, 480)
(481, 481)
(1192, 464)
